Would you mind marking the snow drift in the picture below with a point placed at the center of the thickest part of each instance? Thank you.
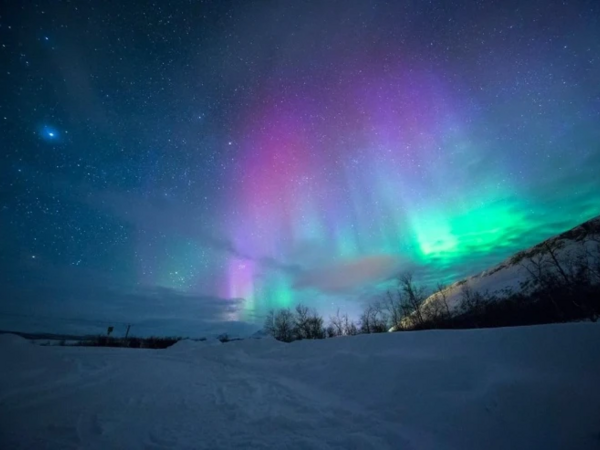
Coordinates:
(518, 388)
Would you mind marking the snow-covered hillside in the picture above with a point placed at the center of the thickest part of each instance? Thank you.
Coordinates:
(518, 388)
(510, 273)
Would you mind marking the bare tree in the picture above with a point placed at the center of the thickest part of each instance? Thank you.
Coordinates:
(269, 326)
(392, 305)
(301, 321)
(284, 322)
(373, 319)
(435, 310)
(330, 331)
(593, 253)
(471, 301)
(365, 320)
(550, 269)
(336, 325)
(280, 325)
(315, 328)
(341, 325)
(474, 305)
(443, 298)
(350, 327)
(413, 297)
(537, 268)
(565, 278)
(307, 323)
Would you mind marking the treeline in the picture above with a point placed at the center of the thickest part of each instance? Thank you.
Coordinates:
(561, 285)
(128, 342)
(155, 342)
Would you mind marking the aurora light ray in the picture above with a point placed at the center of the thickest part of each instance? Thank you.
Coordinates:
(384, 171)
(252, 155)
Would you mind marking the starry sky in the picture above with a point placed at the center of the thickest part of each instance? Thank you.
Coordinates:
(186, 166)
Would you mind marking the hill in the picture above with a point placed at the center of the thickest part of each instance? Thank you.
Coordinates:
(514, 274)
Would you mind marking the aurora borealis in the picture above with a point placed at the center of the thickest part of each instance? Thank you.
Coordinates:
(199, 163)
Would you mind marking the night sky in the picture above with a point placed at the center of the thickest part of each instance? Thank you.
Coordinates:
(186, 166)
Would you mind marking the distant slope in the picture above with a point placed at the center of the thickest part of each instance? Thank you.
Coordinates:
(510, 273)
(48, 336)
(260, 334)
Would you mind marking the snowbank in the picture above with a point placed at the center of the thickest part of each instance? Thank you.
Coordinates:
(185, 345)
(10, 341)
(15, 348)
(533, 387)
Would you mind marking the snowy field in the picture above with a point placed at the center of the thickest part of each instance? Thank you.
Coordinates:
(515, 388)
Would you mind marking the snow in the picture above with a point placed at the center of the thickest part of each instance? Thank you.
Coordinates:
(518, 388)
(190, 345)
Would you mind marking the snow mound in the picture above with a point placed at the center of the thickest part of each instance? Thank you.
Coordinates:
(260, 334)
(211, 341)
(191, 345)
(10, 340)
(15, 348)
(183, 345)
(188, 345)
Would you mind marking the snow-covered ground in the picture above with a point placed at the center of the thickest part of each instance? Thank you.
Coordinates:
(517, 388)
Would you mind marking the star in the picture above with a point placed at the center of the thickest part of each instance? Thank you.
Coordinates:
(49, 133)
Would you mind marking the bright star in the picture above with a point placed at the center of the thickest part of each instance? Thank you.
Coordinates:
(49, 133)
